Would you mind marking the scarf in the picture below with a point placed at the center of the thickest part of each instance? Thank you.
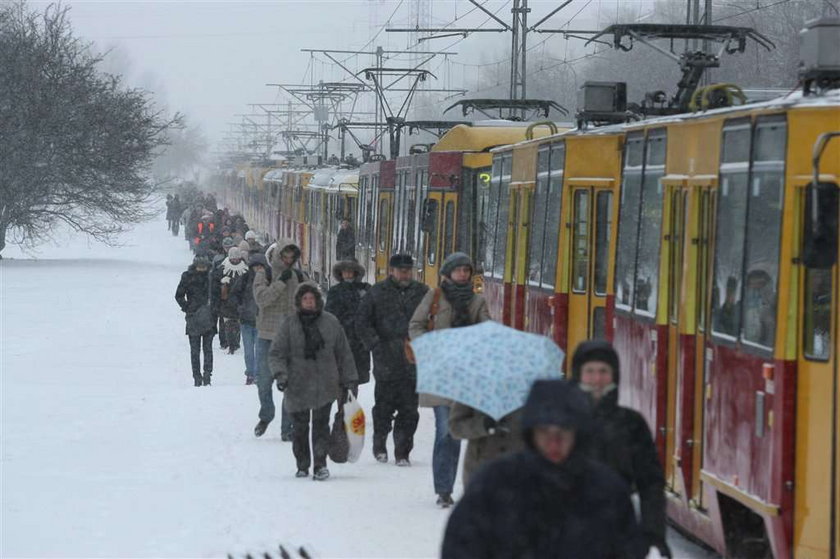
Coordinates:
(459, 296)
(313, 341)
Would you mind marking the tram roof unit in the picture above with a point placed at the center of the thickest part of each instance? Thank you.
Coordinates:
(482, 138)
(345, 181)
(322, 178)
(796, 99)
(275, 175)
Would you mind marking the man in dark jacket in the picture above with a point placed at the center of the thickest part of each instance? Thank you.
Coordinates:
(193, 296)
(621, 438)
(382, 323)
(343, 300)
(242, 295)
(549, 500)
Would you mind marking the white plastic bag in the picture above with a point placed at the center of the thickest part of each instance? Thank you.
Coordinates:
(354, 424)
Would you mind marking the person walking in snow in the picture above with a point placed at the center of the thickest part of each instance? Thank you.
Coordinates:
(621, 438)
(275, 296)
(175, 220)
(313, 365)
(451, 305)
(215, 274)
(343, 300)
(551, 499)
(193, 296)
(345, 243)
(242, 295)
(382, 323)
(229, 270)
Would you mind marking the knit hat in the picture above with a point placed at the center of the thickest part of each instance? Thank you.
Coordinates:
(234, 253)
(227, 242)
(594, 350)
(245, 247)
(455, 260)
(401, 261)
(250, 235)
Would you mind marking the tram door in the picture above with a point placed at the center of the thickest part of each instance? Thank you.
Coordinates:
(430, 252)
(592, 237)
(382, 239)
(522, 212)
(817, 518)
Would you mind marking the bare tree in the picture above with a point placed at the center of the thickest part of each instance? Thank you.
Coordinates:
(76, 143)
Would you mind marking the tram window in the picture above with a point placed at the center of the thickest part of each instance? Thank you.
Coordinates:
(536, 240)
(736, 142)
(702, 259)
(552, 221)
(383, 223)
(650, 233)
(500, 244)
(491, 215)
(411, 218)
(770, 139)
(432, 247)
(448, 228)
(603, 231)
(729, 254)
(818, 305)
(580, 242)
(628, 230)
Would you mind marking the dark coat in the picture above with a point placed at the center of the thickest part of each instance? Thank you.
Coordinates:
(345, 244)
(343, 300)
(191, 295)
(526, 507)
(382, 324)
(242, 295)
(622, 440)
(223, 276)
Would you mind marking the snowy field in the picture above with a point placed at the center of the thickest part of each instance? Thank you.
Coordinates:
(108, 450)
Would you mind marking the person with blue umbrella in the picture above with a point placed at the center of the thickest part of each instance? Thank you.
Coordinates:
(453, 304)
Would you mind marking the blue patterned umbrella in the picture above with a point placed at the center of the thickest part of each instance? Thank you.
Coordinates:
(489, 367)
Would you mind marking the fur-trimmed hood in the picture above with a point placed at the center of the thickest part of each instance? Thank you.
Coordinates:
(309, 287)
(339, 267)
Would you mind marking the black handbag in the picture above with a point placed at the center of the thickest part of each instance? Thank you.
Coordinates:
(339, 445)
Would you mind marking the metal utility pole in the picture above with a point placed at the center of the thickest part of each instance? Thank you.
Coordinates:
(519, 39)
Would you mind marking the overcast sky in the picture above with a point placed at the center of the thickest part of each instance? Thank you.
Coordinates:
(209, 59)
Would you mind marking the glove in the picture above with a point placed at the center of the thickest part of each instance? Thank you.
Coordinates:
(281, 386)
(286, 275)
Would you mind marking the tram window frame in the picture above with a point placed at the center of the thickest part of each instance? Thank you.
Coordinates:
(432, 248)
(448, 227)
(649, 241)
(539, 217)
(553, 212)
(808, 321)
(492, 214)
(601, 246)
(503, 219)
(581, 240)
(383, 216)
(628, 222)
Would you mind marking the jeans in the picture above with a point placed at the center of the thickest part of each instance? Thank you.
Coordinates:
(249, 340)
(197, 343)
(446, 452)
(395, 397)
(265, 387)
(320, 437)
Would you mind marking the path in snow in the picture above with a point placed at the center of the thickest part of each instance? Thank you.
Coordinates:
(108, 449)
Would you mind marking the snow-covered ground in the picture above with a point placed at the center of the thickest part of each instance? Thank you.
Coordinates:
(108, 450)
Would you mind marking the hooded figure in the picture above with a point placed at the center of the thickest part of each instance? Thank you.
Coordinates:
(621, 436)
(343, 300)
(451, 305)
(312, 364)
(549, 500)
(194, 298)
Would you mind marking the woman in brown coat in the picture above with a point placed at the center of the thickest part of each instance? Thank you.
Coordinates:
(487, 439)
(452, 305)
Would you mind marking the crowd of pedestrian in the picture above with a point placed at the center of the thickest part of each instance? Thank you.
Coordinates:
(551, 479)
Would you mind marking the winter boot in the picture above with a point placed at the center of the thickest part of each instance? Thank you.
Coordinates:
(381, 457)
(321, 474)
(197, 379)
(444, 500)
(260, 428)
(403, 462)
(207, 379)
(302, 473)
(249, 380)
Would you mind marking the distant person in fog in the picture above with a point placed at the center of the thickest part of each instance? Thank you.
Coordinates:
(343, 300)
(345, 244)
(175, 220)
(193, 296)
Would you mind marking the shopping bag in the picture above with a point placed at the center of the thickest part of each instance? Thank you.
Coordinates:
(339, 446)
(354, 425)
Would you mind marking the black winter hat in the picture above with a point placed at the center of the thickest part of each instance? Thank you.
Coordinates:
(556, 402)
(202, 261)
(595, 350)
(453, 261)
(309, 287)
(401, 261)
